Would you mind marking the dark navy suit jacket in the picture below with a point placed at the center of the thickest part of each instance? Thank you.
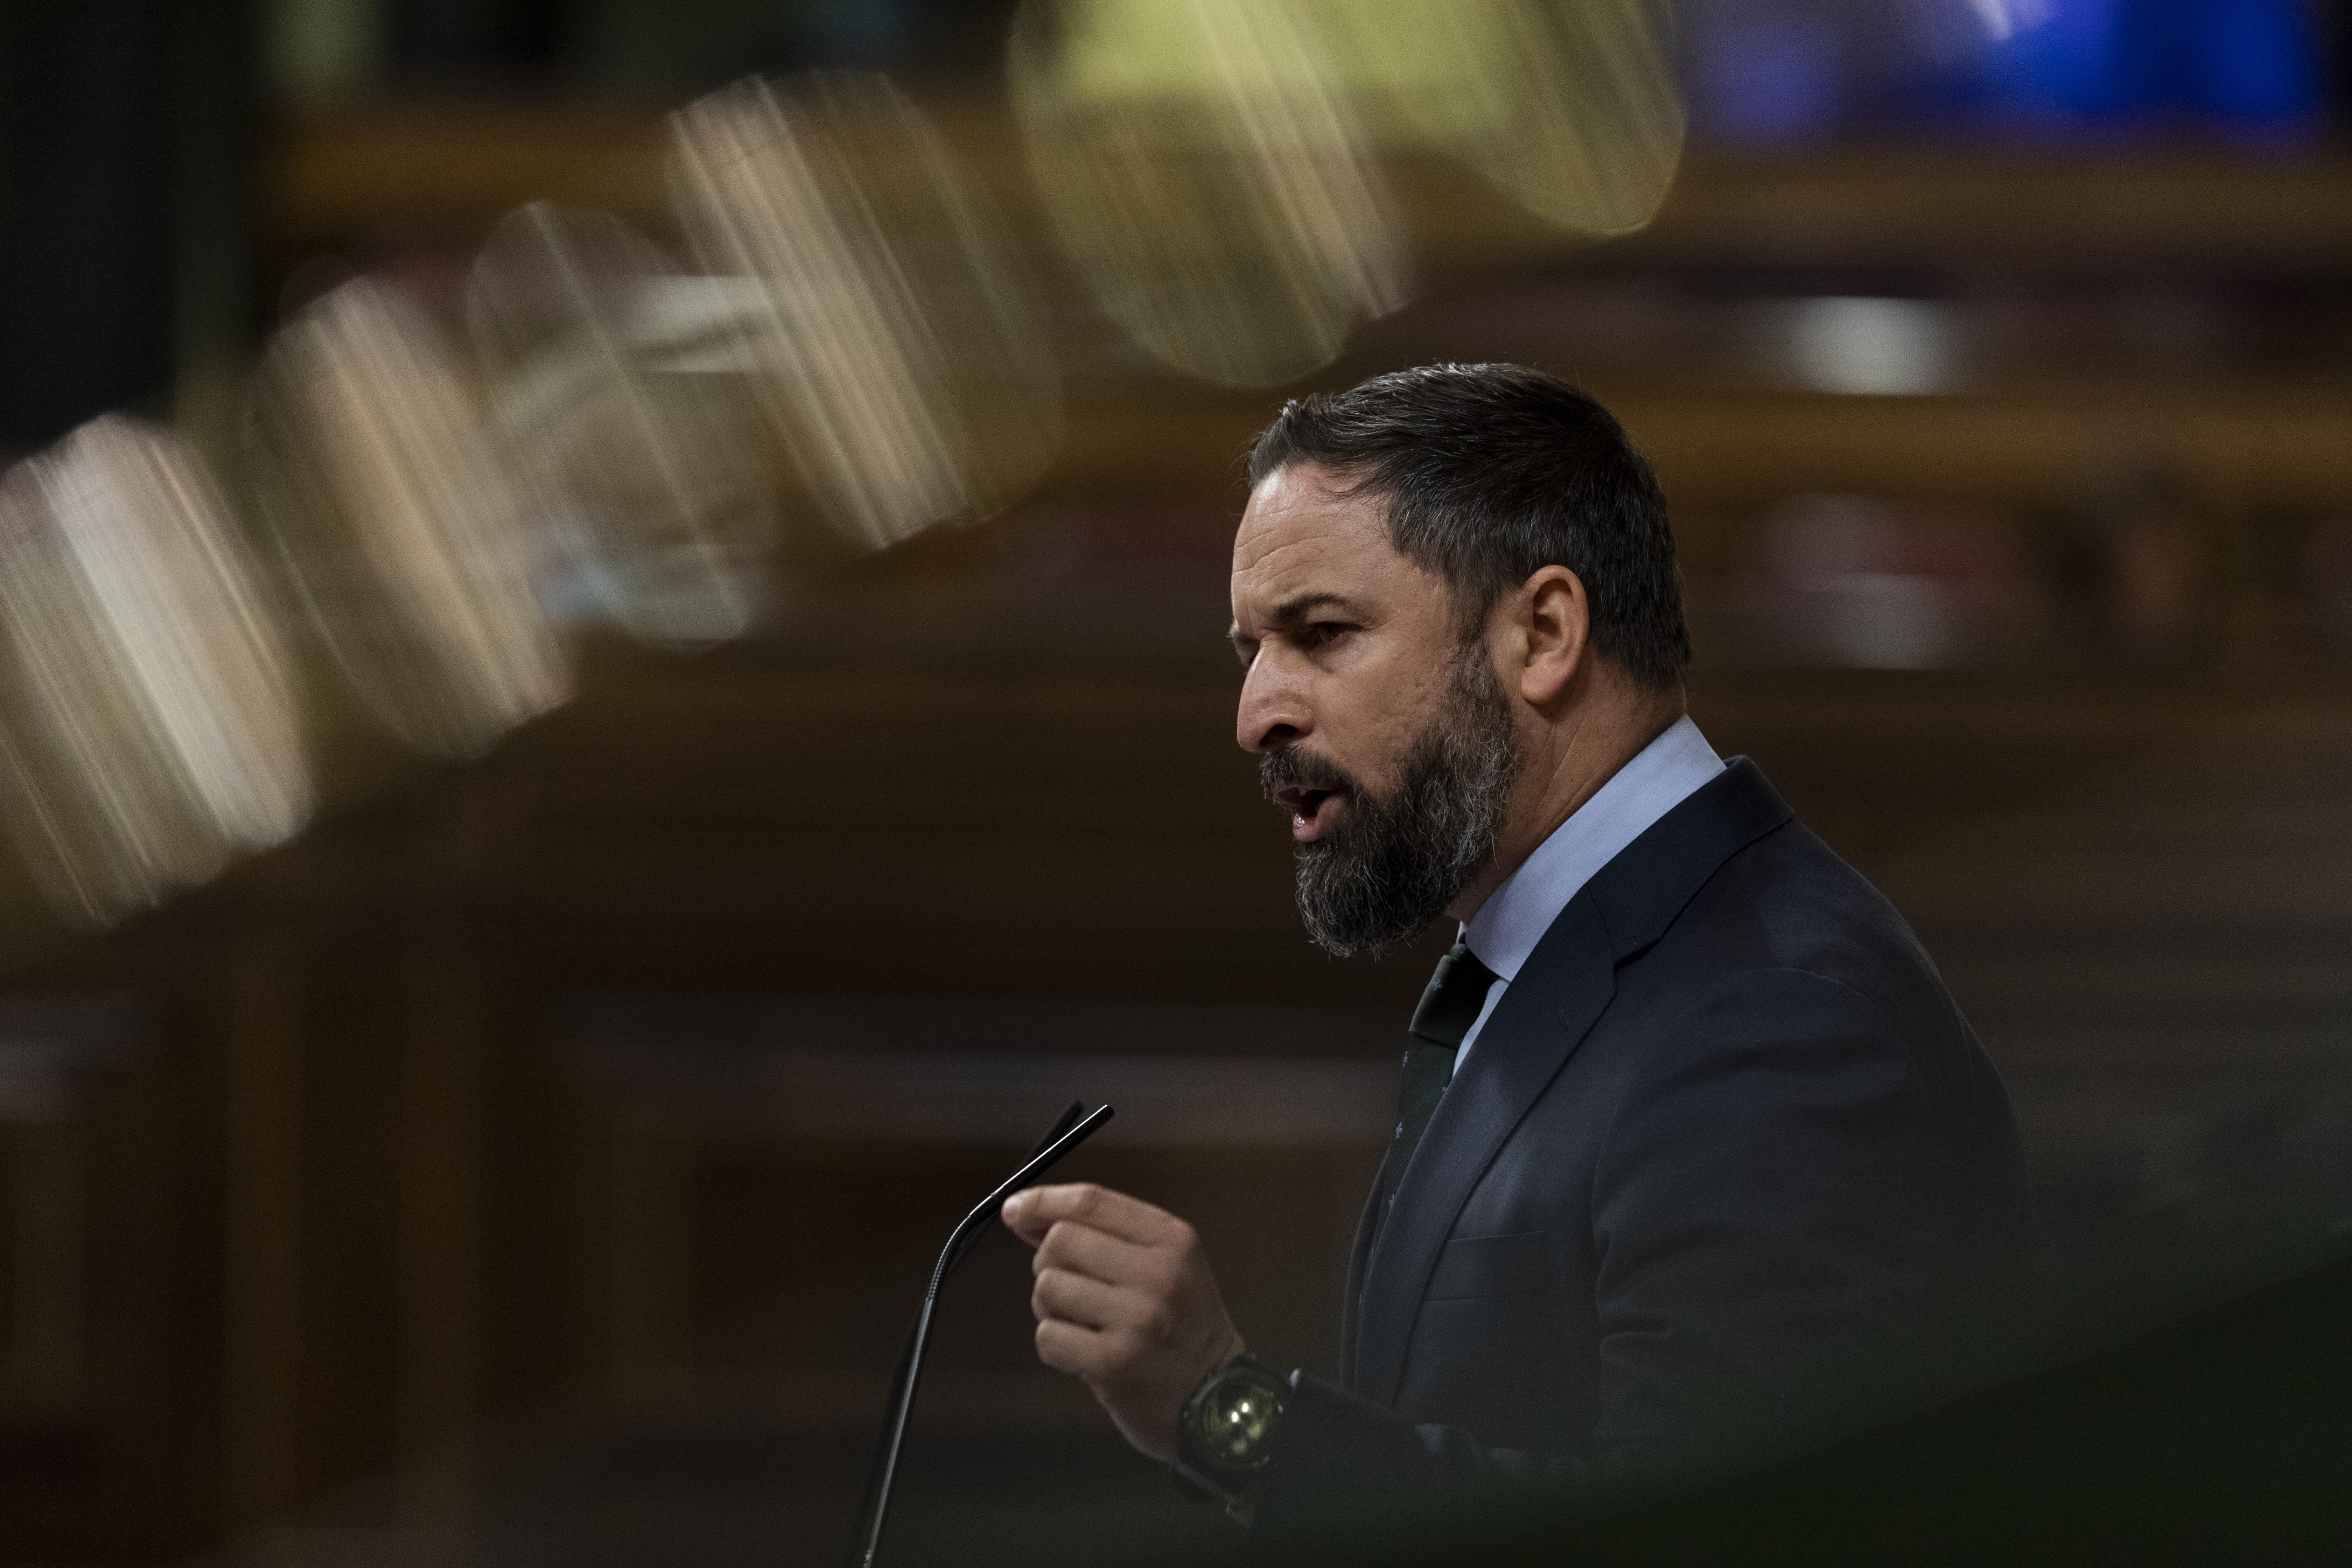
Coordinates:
(1724, 1133)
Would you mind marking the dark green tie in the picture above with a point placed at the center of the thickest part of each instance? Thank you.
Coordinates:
(1456, 991)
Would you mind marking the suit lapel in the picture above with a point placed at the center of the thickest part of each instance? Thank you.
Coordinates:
(1357, 1256)
(1562, 989)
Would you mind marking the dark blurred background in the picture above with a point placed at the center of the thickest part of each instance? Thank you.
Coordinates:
(540, 1157)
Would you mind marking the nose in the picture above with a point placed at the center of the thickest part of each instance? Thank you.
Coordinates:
(1273, 713)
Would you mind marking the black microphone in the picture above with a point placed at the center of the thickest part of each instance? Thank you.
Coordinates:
(1073, 1129)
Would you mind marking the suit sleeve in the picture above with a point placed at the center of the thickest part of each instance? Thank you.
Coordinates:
(1769, 1207)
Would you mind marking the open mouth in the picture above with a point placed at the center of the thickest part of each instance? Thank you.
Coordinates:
(1312, 809)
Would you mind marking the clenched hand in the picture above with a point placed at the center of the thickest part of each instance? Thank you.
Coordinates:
(1125, 1302)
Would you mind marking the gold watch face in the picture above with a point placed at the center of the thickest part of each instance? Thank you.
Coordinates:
(1237, 1417)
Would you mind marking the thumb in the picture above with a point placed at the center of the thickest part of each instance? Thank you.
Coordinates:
(1012, 1214)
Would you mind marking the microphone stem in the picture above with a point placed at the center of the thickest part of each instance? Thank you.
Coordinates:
(902, 1408)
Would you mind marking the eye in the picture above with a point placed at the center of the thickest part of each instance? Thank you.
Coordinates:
(1322, 634)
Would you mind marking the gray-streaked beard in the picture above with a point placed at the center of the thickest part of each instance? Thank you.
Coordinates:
(1392, 864)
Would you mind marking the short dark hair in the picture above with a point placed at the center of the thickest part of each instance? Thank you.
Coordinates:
(1492, 472)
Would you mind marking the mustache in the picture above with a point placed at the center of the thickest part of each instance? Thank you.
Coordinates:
(1294, 766)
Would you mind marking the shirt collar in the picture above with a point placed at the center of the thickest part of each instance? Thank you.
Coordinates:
(1661, 776)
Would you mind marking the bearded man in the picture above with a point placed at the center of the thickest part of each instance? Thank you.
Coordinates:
(1687, 1118)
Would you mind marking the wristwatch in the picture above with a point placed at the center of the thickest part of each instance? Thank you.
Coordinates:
(1224, 1435)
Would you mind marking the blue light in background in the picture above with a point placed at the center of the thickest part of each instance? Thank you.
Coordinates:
(1804, 72)
(2249, 64)
(2261, 61)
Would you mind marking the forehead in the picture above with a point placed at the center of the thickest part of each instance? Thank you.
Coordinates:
(1304, 532)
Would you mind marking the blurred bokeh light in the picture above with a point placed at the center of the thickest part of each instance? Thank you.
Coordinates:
(147, 719)
(1209, 170)
(1572, 107)
(633, 416)
(901, 351)
(1215, 167)
(404, 519)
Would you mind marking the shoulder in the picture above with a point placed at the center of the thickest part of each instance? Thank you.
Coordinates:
(1788, 948)
(1790, 1007)
(1760, 1032)
(1787, 916)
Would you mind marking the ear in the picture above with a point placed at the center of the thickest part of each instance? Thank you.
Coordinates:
(1553, 619)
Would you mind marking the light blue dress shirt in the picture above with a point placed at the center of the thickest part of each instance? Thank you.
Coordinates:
(1507, 926)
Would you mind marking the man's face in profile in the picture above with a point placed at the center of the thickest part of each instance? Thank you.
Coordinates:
(1385, 733)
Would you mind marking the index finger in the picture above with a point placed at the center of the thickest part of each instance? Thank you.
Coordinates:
(1036, 1211)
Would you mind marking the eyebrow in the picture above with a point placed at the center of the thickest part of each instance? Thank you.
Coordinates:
(1291, 611)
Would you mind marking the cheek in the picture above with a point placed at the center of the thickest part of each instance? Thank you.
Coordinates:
(1369, 722)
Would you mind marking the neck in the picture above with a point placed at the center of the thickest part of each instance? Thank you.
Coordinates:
(1566, 762)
